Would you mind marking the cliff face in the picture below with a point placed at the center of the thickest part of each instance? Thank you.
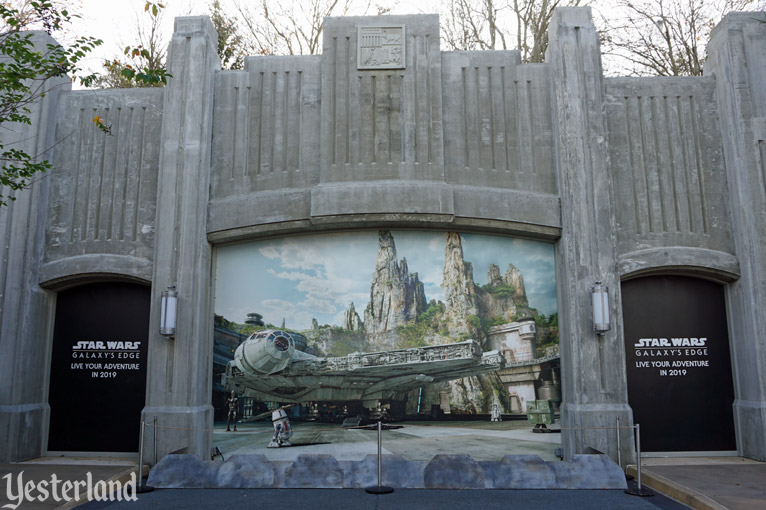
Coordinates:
(459, 288)
(505, 296)
(396, 296)
(475, 395)
(514, 279)
(351, 320)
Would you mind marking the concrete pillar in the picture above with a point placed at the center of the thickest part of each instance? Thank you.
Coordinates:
(593, 367)
(26, 310)
(178, 381)
(737, 58)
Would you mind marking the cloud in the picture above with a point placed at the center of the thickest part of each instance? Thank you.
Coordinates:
(326, 273)
(292, 275)
(317, 276)
(278, 306)
(318, 306)
(270, 252)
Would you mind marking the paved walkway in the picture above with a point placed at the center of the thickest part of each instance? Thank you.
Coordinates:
(708, 483)
(401, 499)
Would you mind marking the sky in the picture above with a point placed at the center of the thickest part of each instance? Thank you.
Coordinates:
(115, 21)
(316, 276)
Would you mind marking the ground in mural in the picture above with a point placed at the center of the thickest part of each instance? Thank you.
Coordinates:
(415, 441)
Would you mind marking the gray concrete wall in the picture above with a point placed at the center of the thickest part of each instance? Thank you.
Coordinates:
(498, 121)
(379, 157)
(667, 165)
(26, 310)
(627, 176)
(179, 370)
(592, 366)
(382, 124)
(104, 189)
(738, 61)
(265, 147)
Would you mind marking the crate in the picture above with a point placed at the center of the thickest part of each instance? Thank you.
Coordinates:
(540, 412)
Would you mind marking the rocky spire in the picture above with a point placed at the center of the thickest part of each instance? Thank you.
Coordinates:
(351, 320)
(514, 278)
(459, 287)
(396, 296)
(493, 276)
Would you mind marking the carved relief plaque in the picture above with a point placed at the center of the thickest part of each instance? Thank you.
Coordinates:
(380, 47)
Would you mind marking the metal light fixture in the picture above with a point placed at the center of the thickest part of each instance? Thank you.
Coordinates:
(168, 313)
(600, 297)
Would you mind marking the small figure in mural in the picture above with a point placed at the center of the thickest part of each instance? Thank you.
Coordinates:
(495, 414)
(233, 402)
(282, 429)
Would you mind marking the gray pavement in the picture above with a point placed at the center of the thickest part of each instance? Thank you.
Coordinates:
(402, 499)
(708, 483)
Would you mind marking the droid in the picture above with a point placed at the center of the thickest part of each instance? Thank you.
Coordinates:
(282, 429)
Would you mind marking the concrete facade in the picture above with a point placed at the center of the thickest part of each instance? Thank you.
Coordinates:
(626, 176)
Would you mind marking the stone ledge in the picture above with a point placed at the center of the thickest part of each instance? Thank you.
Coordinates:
(443, 471)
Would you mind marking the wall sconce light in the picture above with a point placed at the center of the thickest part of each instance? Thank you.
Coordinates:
(600, 297)
(168, 313)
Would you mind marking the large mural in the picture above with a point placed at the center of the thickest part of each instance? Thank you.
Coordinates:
(376, 291)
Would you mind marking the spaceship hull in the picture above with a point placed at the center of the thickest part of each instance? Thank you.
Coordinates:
(364, 376)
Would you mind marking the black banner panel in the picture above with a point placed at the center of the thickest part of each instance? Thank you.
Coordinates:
(98, 367)
(679, 368)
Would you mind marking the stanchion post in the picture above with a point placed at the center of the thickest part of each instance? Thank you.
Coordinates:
(380, 489)
(638, 455)
(639, 491)
(155, 441)
(380, 452)
(619, 452)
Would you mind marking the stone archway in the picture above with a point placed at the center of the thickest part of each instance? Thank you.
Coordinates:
(98, 367)
(678, 363)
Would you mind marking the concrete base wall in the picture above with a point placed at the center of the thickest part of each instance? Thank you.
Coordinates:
(25, 426)
(749, 420)
(443, 472)
(179, 430)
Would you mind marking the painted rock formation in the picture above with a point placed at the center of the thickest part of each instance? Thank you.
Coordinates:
(396, 295)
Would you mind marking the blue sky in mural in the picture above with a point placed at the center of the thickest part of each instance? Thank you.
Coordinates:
(317, 276)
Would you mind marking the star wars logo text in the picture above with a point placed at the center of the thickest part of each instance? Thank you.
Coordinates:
(663, 348)
(671, 342)
(106, 358)
(110, 346)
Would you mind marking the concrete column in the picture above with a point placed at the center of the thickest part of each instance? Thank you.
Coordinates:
(26, 310)
(592, 366)
(178, 383)
(737, 58)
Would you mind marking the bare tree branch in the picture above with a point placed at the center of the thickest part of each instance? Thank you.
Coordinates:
(663, 37)
(487, 24)
(289, 28)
